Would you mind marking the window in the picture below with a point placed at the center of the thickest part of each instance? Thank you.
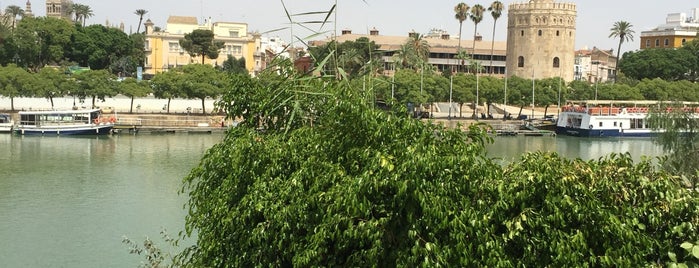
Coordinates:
(237, 50)
(522, 33)
(667, 42)
(600, 124)
(174, 46)
(556, 62)
(146, 44)
(520, 61)
(647, 42)
(657, 42)
(540, 32)
(558, 33)
(684, 41)
(615, 123)
(233, 33)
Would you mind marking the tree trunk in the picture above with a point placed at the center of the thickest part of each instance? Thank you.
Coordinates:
(168, 105)
(203, 108)
(12, 103)
(618, 58)
(492, 47)
(461, 108)
(131, 107)
(51, 99)
(520, 111)
(546, 110)
(93, 102)
(202, 58)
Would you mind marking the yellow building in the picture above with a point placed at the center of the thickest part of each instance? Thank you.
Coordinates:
(163, 50)
(677, 30)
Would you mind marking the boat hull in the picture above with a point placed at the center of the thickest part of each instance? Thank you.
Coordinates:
(86, 130)
(581, 132)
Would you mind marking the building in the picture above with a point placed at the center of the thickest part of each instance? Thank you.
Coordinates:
(58, 8)
(595, 65)
(443, 50)
(163, 50)
(541, 39)
(677, 30)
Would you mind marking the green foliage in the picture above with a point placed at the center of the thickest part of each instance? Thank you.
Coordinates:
(679, 139)
(97, 84)
(234, 66)
(133, 88)
(99, 47)
(666, 64)
(201, 43)
(15, 82)
(356, 58)
(314, 176)
(42, 40)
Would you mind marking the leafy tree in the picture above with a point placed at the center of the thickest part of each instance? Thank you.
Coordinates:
(356, 58)
(140, 13)
(167, 85)
(234, 66)
(53, 82)
(413, 54)
(201, 43)
(97, 84)
(679, 138)
(624, 31)
(133, 88)
(100, 47)
(82, 12)
(14, 82)
(693, 48)
(496, 11)
(43, 40)
(667, 64)
(201, 81)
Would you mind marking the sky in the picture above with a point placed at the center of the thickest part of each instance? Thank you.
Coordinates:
(390, 17)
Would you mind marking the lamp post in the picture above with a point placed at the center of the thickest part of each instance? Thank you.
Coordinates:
(596, 76)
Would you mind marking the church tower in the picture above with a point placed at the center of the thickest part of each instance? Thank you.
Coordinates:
(58, 8)
(28, 10)
(541, 39)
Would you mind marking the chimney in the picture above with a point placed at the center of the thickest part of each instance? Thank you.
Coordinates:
(346, 31)
(374, 31)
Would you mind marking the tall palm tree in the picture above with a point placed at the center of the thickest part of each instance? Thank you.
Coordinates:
(140, 13)
(461, 14)
(13, 11)
(476, 16)
(623, 30)
(82, 12)
(496, 11)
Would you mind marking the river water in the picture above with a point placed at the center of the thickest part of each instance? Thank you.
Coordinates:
(67, 201)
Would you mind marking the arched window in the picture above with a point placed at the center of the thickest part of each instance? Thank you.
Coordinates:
(520, 61)
(657, 42)
(667, 42)
(556, 62)
(540, 32)
(647, 42)
(684, 41)
(522, 33)
(558, 33)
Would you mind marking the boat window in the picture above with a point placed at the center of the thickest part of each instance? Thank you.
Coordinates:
(600, 124)
(615, 124)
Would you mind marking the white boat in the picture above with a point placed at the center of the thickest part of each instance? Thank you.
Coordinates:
(67, 122)
(608, 118)
(6, 123)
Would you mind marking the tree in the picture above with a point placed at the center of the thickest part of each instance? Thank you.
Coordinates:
(624, 31)
(140, 13)
(13, 11)
(679, 138)
(667, 64)
(461, 14)
(476, 16)
(82, 12)
(693, 48)
(53, 82)
(133, 88)
(201, 43)
(42, 40)
(200, 81)
(166, 85)
(97, 84)
(496, 11)
(234, 66)
(14, 82)
(99, 47)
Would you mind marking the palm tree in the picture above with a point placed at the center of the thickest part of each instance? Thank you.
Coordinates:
(461, 14)
(82, 12)
(495, 10)
(476, 16)
(623, 30)
(13, 11)
(140, 13)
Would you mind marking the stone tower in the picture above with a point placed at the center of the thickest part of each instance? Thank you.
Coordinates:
(541, 39)
(58, 8)
(28, 10)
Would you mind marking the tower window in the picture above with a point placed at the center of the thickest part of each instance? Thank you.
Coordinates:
(522, 33)
(558, 33)
(540, 32)
(520, 61)
(556, 62)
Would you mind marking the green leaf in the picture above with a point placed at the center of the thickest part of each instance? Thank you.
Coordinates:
(687, 245)
(695, 251)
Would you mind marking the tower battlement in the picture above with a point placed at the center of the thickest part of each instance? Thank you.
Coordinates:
(542, 5)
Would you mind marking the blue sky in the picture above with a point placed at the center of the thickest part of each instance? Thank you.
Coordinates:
(390, 17)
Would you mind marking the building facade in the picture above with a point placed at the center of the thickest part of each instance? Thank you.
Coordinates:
(541, 39)
(677, 30)
(595, 65)
(163, 50)
(443, 50)
(58, 8)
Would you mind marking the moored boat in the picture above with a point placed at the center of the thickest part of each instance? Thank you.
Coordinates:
(609, 118)
(6, 123)
(68, 122)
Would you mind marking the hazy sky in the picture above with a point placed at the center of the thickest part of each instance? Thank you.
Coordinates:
(394, 17)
